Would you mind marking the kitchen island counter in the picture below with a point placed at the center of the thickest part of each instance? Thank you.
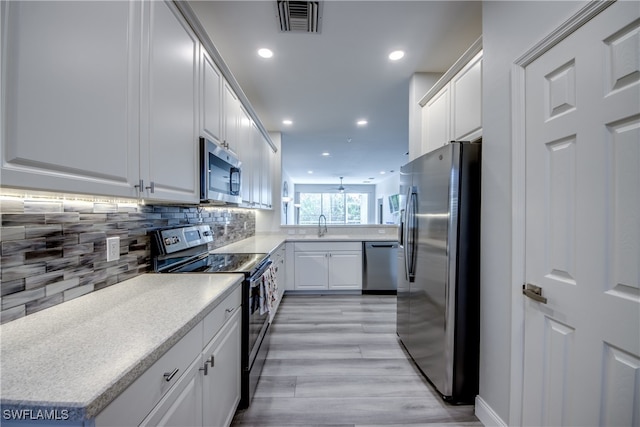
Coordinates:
(76, 357)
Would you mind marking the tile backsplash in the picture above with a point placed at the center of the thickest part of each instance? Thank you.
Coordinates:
(55, 250)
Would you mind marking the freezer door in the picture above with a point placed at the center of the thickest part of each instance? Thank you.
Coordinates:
(430, 316)
(403, 300)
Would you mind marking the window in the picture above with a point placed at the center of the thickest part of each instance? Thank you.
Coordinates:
(339, 208)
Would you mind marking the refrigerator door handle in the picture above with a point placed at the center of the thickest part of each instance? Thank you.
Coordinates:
(401, 229)
(411, 230)
(405, 230)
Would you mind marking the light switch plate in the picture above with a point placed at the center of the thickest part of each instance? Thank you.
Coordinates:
(113, 248)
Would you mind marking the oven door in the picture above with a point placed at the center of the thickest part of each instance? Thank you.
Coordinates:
(255, 336)
(258, 323)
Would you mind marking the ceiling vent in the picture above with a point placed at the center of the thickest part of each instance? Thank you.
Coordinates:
(299, 16)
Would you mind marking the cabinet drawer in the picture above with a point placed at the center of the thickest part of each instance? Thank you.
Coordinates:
(132, 405)
(327, 246)
(214, 320)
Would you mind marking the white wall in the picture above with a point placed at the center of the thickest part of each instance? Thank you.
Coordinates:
(510, 28)
(384, 189)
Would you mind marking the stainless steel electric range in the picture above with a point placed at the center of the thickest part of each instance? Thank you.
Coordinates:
(184, 249)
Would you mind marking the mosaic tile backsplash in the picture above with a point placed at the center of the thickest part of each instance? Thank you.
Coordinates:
(55, 250)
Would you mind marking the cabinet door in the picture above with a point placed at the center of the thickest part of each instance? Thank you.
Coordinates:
(245, 152)
(169, 140)
(466, 101)
(311, 270)
(231, 113)
(265, 170)
(221, 385)
(182, 405)
(70, 89)
(345, 270)
(211, 98)
(256, 142)
(436, 120)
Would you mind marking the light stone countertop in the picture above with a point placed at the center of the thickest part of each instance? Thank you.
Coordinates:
(78, 356)
(267, 243)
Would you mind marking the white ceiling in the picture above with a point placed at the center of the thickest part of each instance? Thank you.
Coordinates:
(326, 82)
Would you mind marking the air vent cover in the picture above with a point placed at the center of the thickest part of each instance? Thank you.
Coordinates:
(299, 16)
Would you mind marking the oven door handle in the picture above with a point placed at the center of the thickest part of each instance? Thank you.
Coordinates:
(256, 277)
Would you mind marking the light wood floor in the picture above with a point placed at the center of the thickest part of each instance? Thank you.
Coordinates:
(336, 360)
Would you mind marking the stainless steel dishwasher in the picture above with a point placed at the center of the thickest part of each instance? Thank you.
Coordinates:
(380, 268)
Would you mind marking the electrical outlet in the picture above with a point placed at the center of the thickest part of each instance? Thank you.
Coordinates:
(113, 248)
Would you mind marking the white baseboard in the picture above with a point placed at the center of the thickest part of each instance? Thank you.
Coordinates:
(487, 415)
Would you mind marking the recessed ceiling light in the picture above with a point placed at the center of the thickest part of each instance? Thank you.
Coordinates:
(382, 172)
(265, 53)
(309, 172)
(326, 154)
(287, 122)
(361, 122)
(395, 55)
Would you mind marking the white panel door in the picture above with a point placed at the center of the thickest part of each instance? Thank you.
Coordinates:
(582, 348)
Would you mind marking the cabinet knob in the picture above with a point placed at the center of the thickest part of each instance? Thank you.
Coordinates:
(206, 368)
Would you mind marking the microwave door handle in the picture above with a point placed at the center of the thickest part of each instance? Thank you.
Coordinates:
(234, 171)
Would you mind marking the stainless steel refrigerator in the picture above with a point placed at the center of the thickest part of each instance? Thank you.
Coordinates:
(439, 265)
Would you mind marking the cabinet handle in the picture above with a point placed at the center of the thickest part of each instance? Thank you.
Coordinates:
(140, 185)
(212, 360)
(151, 188)
(168, 376)
(205, 369)
(230, 310)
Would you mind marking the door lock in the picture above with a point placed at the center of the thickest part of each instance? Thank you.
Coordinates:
(534, 292)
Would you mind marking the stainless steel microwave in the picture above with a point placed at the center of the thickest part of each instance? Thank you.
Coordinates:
(220, 174)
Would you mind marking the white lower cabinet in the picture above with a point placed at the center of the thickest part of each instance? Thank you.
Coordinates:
(191, 384)
(328, 265)
(221, 381)
(182, 405)
(345, 270)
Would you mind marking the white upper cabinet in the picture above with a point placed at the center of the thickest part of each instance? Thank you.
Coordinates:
(169, 137)
(211, 96)
(88, 111)
(466, 97)
(231, 116)
(265, 173)
(452, 108)
(70, 82)
(110, 98)
(436, 129)
(246, 154)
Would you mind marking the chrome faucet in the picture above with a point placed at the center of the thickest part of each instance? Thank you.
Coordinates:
(322, 230)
